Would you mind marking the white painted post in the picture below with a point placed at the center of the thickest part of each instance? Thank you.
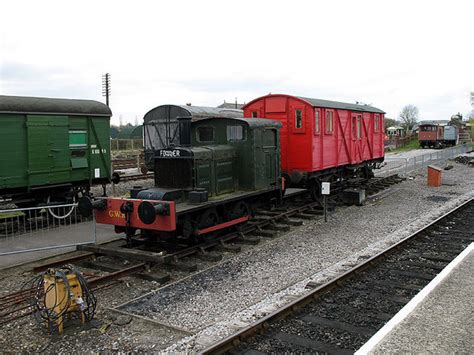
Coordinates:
(325, 190)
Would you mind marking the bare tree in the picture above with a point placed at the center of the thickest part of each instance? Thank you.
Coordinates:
(408, 116)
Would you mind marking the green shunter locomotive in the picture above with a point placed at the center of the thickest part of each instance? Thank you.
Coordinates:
(218, 172)
(52, 149)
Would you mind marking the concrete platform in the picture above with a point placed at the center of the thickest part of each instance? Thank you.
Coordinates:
(442, 323)
(49, 239)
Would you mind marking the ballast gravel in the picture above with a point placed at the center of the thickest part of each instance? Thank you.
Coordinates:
(216, 303)
(225, 298)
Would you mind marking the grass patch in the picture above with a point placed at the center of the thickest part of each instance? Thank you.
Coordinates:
(413, 144)
(10, 215)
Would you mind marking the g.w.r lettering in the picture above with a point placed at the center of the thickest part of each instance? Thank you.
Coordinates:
(116, 214)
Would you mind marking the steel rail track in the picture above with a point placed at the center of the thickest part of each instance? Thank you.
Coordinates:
(136, 177)
(279, 219)
(22, 297)
(233, 342)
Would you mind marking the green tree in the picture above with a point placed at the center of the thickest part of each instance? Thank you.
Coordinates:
(389, 122)
(456, 120)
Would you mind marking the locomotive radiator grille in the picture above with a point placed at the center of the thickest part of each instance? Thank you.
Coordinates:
(174, 173)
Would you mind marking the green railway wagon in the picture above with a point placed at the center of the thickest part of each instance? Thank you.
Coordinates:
(52, 149)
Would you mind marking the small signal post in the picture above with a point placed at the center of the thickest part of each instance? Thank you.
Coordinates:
(325, 191)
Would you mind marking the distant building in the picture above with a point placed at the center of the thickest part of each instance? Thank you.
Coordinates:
(395, 131)
(434, 122)
(231, 105)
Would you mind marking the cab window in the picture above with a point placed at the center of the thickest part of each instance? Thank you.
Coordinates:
(254, 114)
(205, 134)
(269, 138)
(235, 133)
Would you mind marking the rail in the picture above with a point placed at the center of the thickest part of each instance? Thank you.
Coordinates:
(231, 342)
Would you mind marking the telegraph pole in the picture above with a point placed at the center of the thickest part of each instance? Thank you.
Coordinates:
(106, 87)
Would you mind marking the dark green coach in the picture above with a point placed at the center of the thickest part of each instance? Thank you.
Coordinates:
(52, 149)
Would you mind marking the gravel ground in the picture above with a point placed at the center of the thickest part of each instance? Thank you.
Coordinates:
(221, 300)
(256, 282)
(122, 189)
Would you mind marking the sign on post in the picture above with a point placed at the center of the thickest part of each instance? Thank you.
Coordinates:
(325, 190)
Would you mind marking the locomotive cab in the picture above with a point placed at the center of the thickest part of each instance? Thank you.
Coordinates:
(215, 157)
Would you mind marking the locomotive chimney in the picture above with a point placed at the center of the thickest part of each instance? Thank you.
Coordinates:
(184, 131)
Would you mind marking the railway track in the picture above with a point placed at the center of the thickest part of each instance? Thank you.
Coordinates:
(341, 315)
(118, 164)
(136, 177)
(150, 258)
(17, 304)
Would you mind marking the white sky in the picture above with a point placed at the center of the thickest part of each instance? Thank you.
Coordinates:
(385, 53)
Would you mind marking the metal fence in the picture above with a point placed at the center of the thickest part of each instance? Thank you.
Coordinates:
(126, 144)
(41, 228)
(398, 142)
(405, 165)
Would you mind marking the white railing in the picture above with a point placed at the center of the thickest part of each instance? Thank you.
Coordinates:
(31, 229)
(404, 166)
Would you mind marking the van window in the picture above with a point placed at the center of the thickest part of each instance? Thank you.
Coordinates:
(329, 121)
(376, 123)
(77, 139)
(298, 119)
(359, 126)
(316, 121)
(205, 134)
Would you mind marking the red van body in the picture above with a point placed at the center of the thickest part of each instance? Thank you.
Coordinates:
(321, 136)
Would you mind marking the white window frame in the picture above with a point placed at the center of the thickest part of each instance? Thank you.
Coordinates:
(329, 128)
(317, 121)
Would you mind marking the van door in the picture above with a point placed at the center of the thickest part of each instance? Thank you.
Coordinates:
(48, 150)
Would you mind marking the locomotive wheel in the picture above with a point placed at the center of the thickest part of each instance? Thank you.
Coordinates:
(237, 210)
(208, 219)
(187, 228)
